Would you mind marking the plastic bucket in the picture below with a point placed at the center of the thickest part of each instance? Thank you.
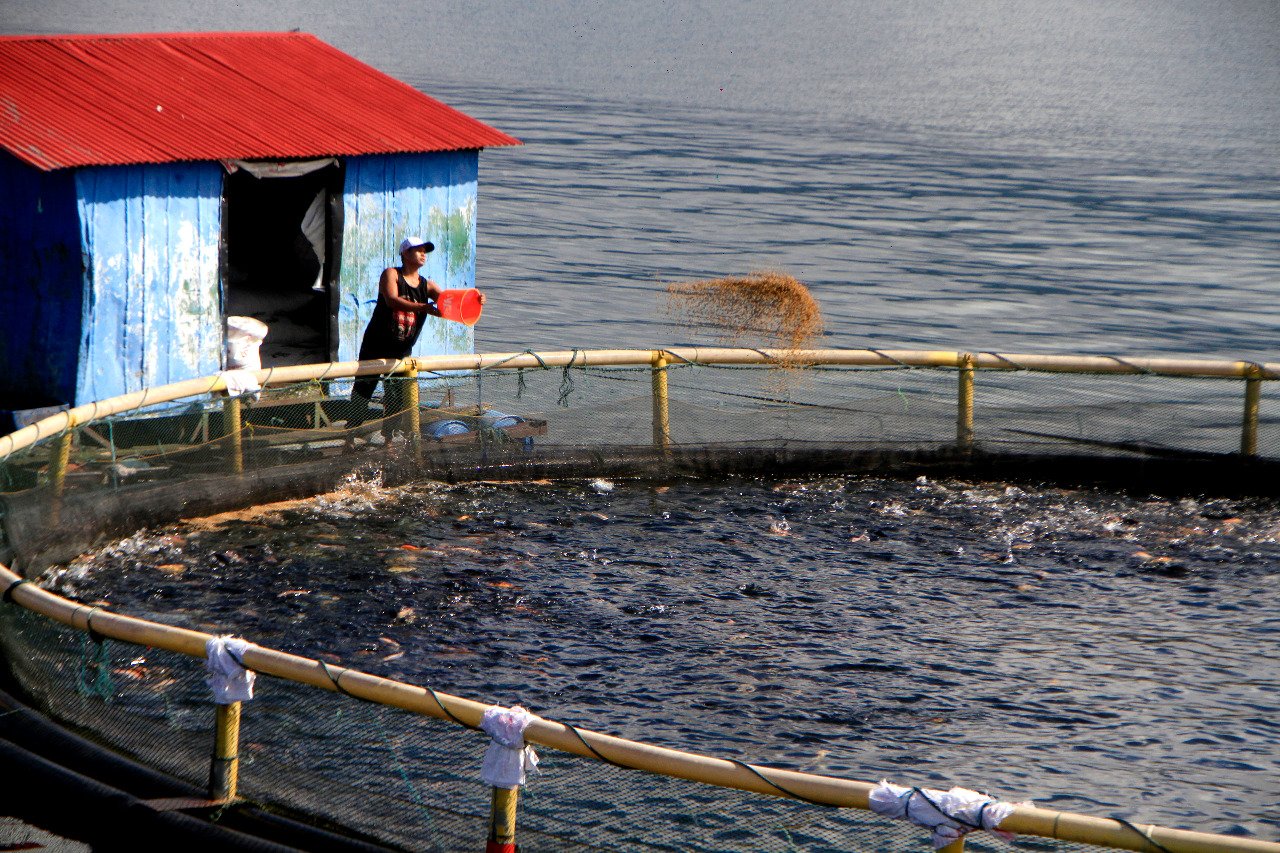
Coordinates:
(461, 306)
(244, 336)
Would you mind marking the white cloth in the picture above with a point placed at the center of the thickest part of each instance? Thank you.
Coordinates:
(244, 337)
(241, 382)
(278, 169)
(229, 681)
(508, 760)
(948, 814)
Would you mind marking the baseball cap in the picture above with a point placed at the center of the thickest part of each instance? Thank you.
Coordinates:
(414, 240)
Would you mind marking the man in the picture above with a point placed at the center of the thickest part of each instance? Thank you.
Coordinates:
(405, 299)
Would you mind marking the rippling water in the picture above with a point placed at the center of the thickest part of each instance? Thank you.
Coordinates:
(945, 243)
(1091, 651)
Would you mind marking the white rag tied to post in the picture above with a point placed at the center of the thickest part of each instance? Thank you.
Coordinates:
(228, 678)
(508, 759)
(950, 815)
(241, 383)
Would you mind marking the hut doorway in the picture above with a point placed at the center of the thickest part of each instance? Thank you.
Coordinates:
(282, 244)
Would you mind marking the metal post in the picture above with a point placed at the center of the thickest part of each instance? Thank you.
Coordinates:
(964, 410)
(224, 769)
(58, 474)
(661, 404)
(232, 426)
(1252, 403)
(502, 821)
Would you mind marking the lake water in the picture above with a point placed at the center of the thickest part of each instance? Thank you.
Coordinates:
(1013, 176)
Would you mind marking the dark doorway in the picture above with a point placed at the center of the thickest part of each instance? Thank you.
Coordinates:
(281, 255)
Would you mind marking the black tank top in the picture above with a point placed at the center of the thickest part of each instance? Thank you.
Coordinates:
(391, 327)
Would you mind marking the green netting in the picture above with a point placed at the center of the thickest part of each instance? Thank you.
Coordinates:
(408, 781)
(553, 416)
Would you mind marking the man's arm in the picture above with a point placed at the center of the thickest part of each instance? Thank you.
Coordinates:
(391, 294)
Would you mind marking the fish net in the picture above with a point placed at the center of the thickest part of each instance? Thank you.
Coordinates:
(403, 780)
(412, 782)
(188, 457)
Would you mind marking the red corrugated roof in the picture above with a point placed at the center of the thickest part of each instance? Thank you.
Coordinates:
(156, 98)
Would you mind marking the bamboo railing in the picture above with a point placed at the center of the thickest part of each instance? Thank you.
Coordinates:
(1253, 373)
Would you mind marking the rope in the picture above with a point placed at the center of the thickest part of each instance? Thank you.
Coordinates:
(937, 808)
(7, 598)
(779, 400)
(111, 439)
(1004, 358)
(542, 364)
(401, 769)
(566, 380)
(593, 750)
(337, 684)
(93, 676)
(88, 624)
(239, 661)
(788, 793)
(1135, 368)
(449, 713)
(1145, 835)
(887, 357)
(337, 681)
(764, 354)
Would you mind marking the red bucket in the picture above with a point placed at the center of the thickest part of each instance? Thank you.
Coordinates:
(461, 306)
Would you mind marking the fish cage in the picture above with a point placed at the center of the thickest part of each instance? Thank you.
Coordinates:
(322, 755)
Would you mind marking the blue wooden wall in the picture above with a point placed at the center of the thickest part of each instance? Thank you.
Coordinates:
(41, 286)
(388, 198)
(153, 313)
(111, 279)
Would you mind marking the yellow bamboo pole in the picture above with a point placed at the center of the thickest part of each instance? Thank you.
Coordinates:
(956, 846)
(661, 403)
(232, 426)
(1252, 405)
(224, 769)
(502, 820)
(964, 408)
(411, 417)
(58, 473)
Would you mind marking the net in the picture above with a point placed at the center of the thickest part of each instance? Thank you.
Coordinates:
(401, 779)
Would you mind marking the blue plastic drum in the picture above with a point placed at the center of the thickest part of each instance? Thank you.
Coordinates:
(441, 429)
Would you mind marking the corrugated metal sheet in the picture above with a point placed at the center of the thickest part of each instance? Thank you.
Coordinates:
(385, 197)
(153, 313)
(70, 101)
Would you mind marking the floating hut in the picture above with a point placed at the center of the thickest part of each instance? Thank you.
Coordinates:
(151, 186)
